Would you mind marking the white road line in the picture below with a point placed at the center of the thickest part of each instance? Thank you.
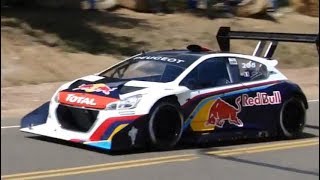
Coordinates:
(17, 126)
(8, 127)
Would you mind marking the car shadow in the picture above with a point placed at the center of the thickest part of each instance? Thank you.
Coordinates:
(312, 126)
(257, 163)
(202, 147)
(269, 165)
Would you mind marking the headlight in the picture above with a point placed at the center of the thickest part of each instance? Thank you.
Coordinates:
(56, 98)
(128, 103)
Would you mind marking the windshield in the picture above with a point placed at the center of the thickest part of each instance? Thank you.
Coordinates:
(147, 68)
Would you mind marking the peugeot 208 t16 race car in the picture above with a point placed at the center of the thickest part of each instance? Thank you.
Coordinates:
(160, 98)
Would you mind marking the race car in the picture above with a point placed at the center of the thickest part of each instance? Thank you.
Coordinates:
(160, 98)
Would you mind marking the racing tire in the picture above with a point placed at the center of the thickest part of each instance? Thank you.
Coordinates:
(165, 125)
(292, 118)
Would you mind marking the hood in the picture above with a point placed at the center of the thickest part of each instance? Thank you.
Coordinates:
(96, 92)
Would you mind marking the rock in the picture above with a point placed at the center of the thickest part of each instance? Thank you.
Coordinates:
(307, 7)
(100, 4)
(137, 5)
(251, 7)
(74, 4)
(50, 40)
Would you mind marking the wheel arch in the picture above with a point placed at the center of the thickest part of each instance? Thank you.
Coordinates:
(166, 101)
(294, 90)
(301, 96)
(169, 98)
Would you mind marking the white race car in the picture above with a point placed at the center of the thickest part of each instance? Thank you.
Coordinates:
(160, 98)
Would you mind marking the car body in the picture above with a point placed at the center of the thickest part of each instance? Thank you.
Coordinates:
(160, 98)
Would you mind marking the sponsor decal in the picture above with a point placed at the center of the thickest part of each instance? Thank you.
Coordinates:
(72, 98)
(95, 88)
(233, 61)
(160, 58)
(222, 111)
(261, 99)
(84, 100)
(249, 65)
(133, 134)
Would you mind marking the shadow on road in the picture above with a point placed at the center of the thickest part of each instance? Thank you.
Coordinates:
(264, 164)
(203, 147)
(312, 126)
(76, 30)
(274, 166)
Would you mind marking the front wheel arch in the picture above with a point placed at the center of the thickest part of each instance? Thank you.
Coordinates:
(165, 124)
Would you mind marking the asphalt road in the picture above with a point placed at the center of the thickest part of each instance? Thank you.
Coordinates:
(292, 160)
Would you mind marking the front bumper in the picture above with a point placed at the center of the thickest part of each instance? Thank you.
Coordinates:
(108, 132)
(48, 131)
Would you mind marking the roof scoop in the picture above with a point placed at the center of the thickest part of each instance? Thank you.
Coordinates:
(197, 48)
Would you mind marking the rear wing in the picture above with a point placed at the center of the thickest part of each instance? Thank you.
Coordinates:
(225, 34)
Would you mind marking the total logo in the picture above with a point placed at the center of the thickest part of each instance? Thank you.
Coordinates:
(84, 100)
(80, 100)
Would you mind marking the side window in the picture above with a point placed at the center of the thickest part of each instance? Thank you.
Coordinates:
(251, 70)
(210, 73)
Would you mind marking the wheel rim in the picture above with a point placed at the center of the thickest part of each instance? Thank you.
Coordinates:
(292, 118)
(165, 127)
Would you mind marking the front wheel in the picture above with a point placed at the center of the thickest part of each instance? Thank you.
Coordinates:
(292, 118)
(165, 125)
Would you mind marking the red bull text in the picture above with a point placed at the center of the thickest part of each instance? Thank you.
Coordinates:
(261, 99)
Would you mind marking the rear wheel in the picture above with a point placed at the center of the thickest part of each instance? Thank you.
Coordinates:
(165, 125)
(292, 118)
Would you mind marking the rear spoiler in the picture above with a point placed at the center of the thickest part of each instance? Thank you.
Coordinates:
(225, 34)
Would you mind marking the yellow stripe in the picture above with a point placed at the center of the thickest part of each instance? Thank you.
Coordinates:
(265, 146)
(268, 149)
(97, 166)
(158, 160)
(117, 130)
(106, 168)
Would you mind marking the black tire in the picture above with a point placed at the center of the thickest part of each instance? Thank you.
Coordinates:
(292, 118)
(165, 125)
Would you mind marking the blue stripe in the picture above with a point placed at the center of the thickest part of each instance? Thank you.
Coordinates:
(101, 144)
(112, 127)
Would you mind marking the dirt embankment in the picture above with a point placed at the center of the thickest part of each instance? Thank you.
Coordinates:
(19, 100)
(54, 46)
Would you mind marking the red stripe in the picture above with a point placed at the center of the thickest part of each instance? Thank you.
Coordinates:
(76, 140)
(229, 90)
(107, 123)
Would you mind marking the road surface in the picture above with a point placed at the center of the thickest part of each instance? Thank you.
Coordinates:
(25, 156)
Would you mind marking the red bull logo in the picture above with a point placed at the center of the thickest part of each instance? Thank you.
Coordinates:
(221, 111)
(95, 88)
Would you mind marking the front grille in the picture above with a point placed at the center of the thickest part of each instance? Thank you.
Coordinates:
(76, 119)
